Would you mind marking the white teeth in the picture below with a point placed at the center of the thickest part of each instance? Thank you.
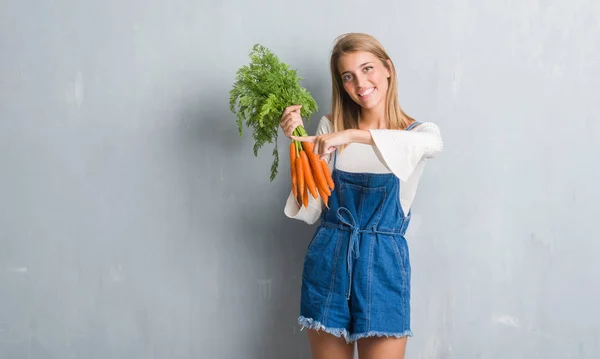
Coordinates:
(366, 92)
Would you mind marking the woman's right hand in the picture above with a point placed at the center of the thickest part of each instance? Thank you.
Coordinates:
(290, 119)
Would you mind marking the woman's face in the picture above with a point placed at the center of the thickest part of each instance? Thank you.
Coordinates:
(364, 78)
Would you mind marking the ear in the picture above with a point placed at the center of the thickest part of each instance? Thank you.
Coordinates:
(389, 68)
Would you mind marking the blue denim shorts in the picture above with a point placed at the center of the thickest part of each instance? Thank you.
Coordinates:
(356, 283)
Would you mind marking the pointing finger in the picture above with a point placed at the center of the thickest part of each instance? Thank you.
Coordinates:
(304, 138)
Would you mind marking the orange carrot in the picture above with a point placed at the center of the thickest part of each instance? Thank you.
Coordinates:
(324, 196)
(308, 174)
(325, 200)
(327, 174)
(300, 177)
(314, 164)
(305, 197)
(293, 168)
(324, 191)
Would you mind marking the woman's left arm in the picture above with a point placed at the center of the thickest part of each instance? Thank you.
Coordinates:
(401, 150)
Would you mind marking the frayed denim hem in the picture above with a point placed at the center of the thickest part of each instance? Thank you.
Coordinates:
(318, 326)
(355, 337)
(343, 333)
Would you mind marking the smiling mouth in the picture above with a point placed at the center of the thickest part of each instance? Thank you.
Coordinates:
(367, 92)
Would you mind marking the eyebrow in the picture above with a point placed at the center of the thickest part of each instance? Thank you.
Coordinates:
(366, 63)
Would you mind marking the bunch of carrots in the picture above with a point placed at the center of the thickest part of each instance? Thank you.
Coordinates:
(310, 174)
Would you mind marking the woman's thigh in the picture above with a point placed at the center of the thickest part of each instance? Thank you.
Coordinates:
(382, 348)
(327, 346)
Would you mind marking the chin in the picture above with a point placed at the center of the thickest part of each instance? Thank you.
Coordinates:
(370, 104)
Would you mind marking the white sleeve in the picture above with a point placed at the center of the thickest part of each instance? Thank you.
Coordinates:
(403, 150)
(312, 213)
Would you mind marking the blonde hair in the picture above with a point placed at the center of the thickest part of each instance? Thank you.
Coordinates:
(345, 113)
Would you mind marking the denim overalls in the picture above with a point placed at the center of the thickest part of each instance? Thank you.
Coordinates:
(356, 275)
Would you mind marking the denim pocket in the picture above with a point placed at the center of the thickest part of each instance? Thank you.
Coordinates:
(314, 239)
(320, 252)
(403, 258)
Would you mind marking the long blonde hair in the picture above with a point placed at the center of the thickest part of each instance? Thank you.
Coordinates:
(345, 113)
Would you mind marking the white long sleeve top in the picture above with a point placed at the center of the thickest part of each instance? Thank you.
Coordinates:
(403, 153)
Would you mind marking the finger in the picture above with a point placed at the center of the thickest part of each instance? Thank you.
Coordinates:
(320, 147)
(316, 147)
(291, 119)
(304, 138)
(291, 109)
(287, 110)
(285, 120)
(289, 124)
(290, 129)
(330, 150)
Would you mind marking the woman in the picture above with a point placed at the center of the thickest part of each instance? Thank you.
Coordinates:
(356, 275)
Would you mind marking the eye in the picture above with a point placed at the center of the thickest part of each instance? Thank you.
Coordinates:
(368, 68)
(346, 78)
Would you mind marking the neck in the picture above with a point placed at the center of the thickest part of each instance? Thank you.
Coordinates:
(372, 118)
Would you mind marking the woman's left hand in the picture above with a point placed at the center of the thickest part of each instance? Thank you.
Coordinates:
(328, 143)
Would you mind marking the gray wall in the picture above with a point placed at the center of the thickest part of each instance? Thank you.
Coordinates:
(136, 223)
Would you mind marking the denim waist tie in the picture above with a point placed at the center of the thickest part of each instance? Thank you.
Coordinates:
(349, 224)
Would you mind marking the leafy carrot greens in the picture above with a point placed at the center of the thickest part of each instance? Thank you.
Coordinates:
(262, 90)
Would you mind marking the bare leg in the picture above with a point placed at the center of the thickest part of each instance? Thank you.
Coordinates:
(327, 346)
(382, 348)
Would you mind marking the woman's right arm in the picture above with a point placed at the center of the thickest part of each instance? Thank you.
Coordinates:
(312, 213)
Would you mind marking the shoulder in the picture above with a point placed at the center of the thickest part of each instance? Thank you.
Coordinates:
(426, 127)
(325, 125)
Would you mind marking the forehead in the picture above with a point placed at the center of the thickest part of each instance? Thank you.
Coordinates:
(353, 60)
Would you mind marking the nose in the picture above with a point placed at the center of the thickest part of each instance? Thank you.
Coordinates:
(361, 80)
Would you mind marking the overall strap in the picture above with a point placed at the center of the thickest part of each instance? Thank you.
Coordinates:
(412, 126)
(334, 158)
